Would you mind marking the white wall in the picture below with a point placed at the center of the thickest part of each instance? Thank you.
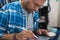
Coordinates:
(53, 15)
(59, 16)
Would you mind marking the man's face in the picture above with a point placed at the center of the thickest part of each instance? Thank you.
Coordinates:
(34, 5)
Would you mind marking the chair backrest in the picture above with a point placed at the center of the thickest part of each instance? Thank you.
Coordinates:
(3, 2)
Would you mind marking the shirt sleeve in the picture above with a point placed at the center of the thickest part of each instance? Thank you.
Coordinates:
(3, 20)
(3, 23)
(11, 10)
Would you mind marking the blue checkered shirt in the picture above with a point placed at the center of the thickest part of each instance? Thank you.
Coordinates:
(13, 18)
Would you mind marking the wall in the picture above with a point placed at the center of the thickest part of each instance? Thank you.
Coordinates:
(59, 16)
(53, 15)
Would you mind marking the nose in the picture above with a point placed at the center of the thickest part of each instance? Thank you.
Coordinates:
(36, 8)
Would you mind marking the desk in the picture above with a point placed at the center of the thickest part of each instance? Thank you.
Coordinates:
(43, 38)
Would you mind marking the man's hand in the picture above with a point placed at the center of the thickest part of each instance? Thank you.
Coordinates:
(8, 37)
(25, 35)
(42, 32)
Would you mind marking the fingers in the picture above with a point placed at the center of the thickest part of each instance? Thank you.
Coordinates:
(42, 31)
(45, 32)
(39, 31)
(30, 35)
(26, 34)
(29, 32)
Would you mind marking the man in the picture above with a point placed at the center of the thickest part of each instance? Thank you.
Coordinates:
(18, 20)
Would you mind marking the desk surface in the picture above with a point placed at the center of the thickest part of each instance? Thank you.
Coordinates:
(43, 38)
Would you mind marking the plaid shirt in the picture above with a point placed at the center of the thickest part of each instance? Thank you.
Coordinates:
(13, 18)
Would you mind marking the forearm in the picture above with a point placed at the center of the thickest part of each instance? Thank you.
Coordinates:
(8, 36)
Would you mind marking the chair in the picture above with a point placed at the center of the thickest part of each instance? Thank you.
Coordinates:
(3, 2)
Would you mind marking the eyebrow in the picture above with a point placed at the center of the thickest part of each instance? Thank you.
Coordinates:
(37, 5)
